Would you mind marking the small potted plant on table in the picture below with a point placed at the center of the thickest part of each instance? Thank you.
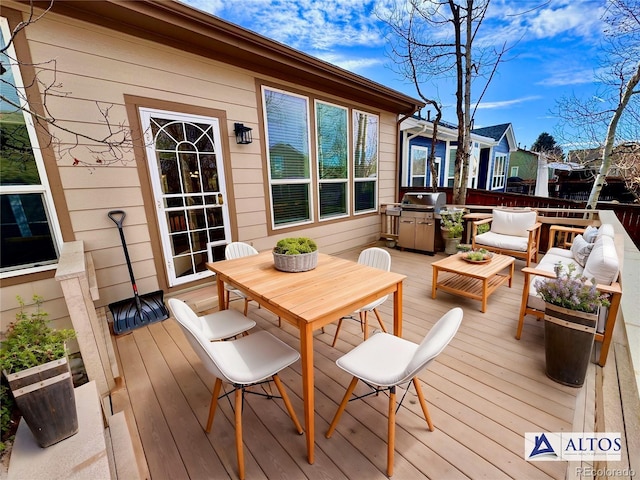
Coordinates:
(572, 304)
(33, 358)
(296, 254)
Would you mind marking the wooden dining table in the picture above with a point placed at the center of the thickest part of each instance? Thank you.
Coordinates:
(310, 300)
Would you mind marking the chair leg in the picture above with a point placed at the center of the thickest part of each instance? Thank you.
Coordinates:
(423, 404)
(287, 403)
(364, 324)
(239, 448)
(214, 404)
(523, 304)
(246, 306)
(225, 300)
(375, 310)
(342, 406)
(335, 339)
(391, 441)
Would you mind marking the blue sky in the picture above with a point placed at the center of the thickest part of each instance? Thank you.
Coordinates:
(554, 49)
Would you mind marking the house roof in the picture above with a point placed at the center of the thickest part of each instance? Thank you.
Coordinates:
(183, 27)
(494, 131)
(446, 131)
(497, 132)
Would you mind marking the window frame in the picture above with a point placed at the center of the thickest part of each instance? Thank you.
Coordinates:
(44, 187)
(312, 101)
(346, 181)
(499, 171)
(271, 182)
(414, 149)
(356, 179)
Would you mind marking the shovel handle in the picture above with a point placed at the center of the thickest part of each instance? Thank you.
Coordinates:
(117, 216)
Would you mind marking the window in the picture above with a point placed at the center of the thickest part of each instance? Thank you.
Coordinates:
(30, 235)
(514, 172)
(345, 180)
(333, 159)
(419, 159)
(287, 137)
(452, 166)
(365, 161)
(499, 166)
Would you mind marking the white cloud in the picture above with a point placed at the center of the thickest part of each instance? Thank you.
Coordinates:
(356, 65)
(507, 103)
(561, 78)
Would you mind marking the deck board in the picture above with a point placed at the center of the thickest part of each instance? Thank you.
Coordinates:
(484, 392)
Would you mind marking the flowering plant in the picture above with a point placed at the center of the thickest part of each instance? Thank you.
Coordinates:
(571, 291)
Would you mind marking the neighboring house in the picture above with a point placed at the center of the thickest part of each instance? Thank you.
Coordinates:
(493, 167)
(523, 171)
(489, 161)
(323, 156)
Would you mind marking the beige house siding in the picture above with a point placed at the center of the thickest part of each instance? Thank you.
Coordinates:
(96, 64)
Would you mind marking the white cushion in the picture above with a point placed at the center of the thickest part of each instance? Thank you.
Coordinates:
(516, 223)
(602, 263)
(252, 358)
(607, 230)
(590, 234)
(506, 242)
(225, 324)
(581, 249)
(380, 360)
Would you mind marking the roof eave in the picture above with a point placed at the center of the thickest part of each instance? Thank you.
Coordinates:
(183, 27)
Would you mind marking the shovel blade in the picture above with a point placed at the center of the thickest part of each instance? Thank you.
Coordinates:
(129, 314)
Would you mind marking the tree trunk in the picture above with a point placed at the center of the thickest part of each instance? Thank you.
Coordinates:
(611, 133)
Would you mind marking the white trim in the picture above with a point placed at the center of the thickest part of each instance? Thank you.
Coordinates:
(44, 187)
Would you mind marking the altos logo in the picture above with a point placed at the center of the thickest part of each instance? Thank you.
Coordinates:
(563, 446)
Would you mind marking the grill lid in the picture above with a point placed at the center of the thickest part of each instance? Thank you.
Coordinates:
(427, 201)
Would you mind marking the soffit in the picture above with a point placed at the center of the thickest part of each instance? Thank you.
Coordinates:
(180, 26)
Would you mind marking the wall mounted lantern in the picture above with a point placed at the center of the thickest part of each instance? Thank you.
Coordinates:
(243, 134)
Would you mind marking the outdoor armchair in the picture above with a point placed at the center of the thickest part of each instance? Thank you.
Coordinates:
(514, 232)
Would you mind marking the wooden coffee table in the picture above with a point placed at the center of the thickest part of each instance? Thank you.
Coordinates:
(472, 280)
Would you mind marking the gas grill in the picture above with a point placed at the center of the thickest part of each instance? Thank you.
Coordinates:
(417, 226)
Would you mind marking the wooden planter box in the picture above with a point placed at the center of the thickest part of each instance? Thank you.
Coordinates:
(568, 340)
(45, 397)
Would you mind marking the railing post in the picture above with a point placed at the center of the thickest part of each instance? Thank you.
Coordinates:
(74, 278)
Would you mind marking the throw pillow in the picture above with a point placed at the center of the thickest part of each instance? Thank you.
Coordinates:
(590, 234)
(580, 249)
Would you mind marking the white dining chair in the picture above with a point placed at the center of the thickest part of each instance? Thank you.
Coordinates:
(214, 326)
(377, 258)
(231, 251)
(251, 360)
(385, 362)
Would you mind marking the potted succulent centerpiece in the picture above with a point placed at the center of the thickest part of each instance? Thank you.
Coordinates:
(33, 358)
(451, 226)
(572, 304)
(295, 254)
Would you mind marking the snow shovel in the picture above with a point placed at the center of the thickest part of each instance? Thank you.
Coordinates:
(140, 310)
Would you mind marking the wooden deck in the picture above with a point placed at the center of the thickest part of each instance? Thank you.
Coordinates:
(484, 392)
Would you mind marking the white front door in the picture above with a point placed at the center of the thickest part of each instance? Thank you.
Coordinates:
(187, 175)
